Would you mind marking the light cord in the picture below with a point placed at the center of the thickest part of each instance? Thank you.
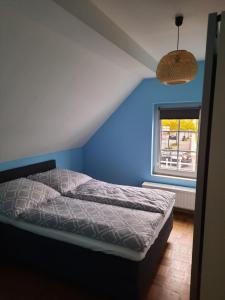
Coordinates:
(178, 36)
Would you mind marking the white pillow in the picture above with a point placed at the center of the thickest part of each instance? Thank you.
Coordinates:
(21, 194)
(61, 180)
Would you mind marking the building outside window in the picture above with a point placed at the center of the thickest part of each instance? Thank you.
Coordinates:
(176, 141)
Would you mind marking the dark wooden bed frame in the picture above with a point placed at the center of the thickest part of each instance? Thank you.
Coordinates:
(109, 275)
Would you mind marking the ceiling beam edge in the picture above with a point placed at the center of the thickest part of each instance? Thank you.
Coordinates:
(89, 13)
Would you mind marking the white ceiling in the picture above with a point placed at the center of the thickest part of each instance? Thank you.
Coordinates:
(60, 79)
(151, 22)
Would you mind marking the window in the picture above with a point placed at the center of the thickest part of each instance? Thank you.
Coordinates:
(176, 142)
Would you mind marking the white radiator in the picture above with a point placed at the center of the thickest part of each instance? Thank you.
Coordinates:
(185, 197)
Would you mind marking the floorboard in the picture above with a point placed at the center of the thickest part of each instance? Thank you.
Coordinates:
(172, 281)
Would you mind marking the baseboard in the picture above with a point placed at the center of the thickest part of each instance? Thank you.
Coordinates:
(183, 210)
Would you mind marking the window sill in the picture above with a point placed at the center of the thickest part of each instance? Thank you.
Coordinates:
(173, 177)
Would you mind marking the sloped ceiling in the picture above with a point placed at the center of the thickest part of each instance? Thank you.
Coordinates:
(151, 22)
(59, 79)
(66, 67)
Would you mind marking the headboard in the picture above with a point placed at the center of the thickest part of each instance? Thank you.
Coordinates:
(25, 171)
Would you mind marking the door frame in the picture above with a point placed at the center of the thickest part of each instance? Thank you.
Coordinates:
(203, 154)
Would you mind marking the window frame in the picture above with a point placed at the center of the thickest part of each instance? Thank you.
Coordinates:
(156, 170)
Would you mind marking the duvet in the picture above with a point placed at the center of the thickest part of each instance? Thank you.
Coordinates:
(129, 228)
(151, 200)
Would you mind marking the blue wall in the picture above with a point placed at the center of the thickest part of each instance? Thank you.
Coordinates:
(70, 159)
(120, 151)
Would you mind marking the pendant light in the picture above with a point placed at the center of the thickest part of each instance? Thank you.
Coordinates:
(179, 66)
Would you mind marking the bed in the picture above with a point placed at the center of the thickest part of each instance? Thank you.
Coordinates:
(111, 273)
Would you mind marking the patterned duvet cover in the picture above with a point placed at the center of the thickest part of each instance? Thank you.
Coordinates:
(129, 228)
(151, 200)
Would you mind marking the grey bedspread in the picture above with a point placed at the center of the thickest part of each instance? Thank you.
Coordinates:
(132, 229)
(152, 200)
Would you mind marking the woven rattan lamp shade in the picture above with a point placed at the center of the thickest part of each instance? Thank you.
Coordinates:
(177, 67)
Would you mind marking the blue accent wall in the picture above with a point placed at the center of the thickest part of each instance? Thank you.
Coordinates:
(121, 150)
(69, 159)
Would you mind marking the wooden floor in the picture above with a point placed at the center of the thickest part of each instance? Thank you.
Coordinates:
(172, 281)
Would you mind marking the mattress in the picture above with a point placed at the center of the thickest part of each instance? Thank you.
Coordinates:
(85, 242)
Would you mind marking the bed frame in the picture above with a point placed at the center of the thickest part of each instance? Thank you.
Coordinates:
(109, 275)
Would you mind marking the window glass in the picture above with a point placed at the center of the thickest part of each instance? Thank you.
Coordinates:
(178, 143)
